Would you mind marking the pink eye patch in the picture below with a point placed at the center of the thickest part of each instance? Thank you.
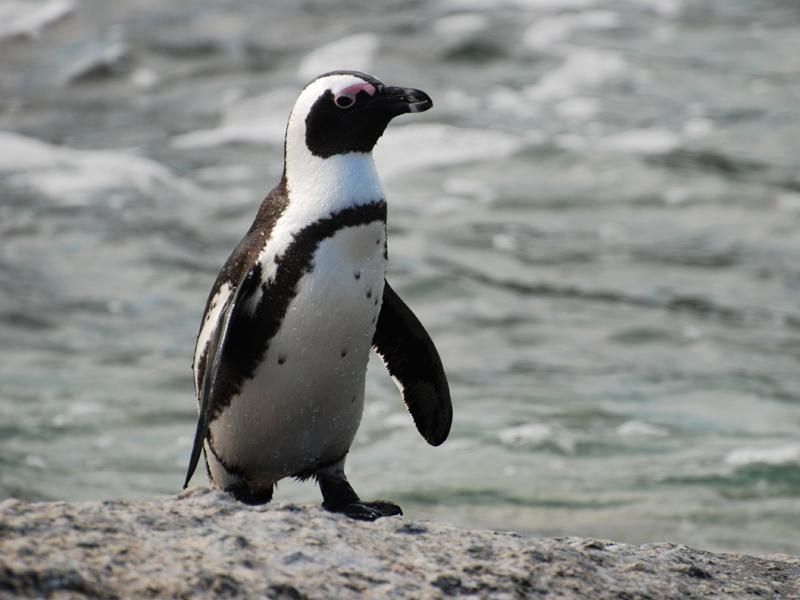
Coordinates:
(353, 90)
(347, 96)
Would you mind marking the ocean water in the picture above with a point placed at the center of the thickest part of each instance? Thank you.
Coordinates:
(598, 224)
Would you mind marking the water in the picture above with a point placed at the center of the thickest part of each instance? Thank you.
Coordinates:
(598, 224)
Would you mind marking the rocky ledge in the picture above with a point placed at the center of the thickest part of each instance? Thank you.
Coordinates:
(202, 543)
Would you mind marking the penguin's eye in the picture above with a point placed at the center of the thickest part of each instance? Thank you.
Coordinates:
(343, 101)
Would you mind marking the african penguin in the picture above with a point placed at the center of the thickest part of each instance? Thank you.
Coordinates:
(281, 356)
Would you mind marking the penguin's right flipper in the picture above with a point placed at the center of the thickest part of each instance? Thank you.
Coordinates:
(413, 362)
(213, 362)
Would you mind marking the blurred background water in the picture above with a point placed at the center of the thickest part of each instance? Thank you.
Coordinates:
(598, 223)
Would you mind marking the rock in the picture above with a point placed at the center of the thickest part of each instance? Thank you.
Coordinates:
(203, 543)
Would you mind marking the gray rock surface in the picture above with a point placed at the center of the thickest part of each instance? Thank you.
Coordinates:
(202, 543)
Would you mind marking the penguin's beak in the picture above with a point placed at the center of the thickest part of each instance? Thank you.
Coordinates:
(397, 101)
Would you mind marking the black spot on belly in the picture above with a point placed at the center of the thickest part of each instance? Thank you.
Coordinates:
(357, 275)
(369, 293)
(343, 353)
(353, 399)
(281, 359)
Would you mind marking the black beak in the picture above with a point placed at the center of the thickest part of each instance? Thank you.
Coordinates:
(397, 101)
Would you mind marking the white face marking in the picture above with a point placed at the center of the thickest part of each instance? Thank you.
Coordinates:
(209, 325)
(318, 186)
(351, 175)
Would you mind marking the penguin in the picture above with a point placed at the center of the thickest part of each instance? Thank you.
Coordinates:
(281, 356)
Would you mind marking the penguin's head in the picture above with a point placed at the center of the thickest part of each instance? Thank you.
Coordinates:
(347, 111)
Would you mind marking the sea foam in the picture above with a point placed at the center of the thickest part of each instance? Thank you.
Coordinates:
(583, 69)
(73, 176)
(255, 120)
(427, 145)
(776, 455)
(24, 19)
(356, 51)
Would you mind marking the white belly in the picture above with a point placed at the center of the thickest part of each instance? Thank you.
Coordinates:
(304, 404)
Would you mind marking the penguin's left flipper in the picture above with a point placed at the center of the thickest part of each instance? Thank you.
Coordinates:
(214, 358)
(413, 362)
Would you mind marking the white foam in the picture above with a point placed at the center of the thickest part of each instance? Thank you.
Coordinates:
(28, 19)
(676, 195)
(582, 69)
(698, 127)
(539, 5)
(255, 120)
(640, 429)
(664, 8)
(643, 141)
(226, 174)
(37, 462)
(396, 421)
(144, 78)
(504, 241)
(777, 455)
(457, 101)
(650, 141)
(97, 57)
(552, 4)
(547, 31)
(506, 100)
(577, 108)
(461, 187)
(530, 433)
(788, 201)
(22, 153)
(106, 441)
(428, 145)
(461, 25)
(74, 175)
(355, 52)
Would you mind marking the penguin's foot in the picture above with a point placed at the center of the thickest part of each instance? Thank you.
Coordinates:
(242, 492)
(365, 511)
(338, 496)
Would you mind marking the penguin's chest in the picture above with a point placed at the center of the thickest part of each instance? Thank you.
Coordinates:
(328, 327)
(304, 403)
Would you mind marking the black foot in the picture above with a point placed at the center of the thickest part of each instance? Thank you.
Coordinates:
(242, 492)
(338, 496)
(365, 511)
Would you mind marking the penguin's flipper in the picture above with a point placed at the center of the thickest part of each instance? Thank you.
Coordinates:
(214, 358)
(413, 362)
